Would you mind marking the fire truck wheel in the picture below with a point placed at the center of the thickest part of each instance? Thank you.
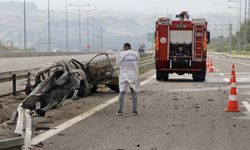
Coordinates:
(158, 75)
(199, 76)
(165, 76)
(161, 75)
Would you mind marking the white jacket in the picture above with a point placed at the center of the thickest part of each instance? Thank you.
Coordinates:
(128, 63)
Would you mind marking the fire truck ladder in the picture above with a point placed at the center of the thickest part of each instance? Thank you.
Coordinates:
(198, 42)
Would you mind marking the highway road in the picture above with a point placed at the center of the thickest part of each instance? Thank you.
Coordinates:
(173, 115)
(178, 114)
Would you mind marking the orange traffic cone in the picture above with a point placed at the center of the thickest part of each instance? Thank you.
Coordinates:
(211, 67)
(207, 63)
(233, 76)
(232, 104)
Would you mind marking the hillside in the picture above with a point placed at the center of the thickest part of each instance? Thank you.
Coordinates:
(117, 28)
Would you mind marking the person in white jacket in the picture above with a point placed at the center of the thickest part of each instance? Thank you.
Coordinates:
(128, 63)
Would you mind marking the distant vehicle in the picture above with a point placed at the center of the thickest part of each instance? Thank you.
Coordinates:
(181, 47)
(141, 48)
(57, 50)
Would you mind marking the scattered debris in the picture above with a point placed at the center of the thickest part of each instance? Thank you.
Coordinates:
(78, 107)
(42, 128)
(210, 99)
(196, 107)
(61, 134)
(234, 125)
(138, 145)
(39, 144)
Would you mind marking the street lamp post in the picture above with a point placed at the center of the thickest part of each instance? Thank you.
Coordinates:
(245, 10)
(79, 10)
(93, 33)
(238, 36)
(88, 44)
(49, 42)
(238, 10)
(230, 32)
(67, 33)
(239, 7)
(24, 23)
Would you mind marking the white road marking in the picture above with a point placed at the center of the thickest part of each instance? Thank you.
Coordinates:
(226, 79)
(238, 62)
(247, 105)
(36, 140)
(222, 74)
(245, 94)
(202, 89)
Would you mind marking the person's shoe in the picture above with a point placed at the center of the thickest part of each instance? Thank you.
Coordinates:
(119, 113)
(135, 113)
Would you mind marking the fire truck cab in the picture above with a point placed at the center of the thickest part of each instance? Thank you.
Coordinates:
(181, 47)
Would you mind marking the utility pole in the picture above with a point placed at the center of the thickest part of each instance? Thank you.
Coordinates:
(229, 32)
(93, 33)
(67, 33)
(79, 10)
(24, 24)
(230, 39)
(49, 42)
(101, 33)
(88, 43)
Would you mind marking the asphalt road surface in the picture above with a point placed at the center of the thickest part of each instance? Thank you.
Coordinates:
(178, 114)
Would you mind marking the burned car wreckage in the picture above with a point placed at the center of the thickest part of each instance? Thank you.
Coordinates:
(68, 79)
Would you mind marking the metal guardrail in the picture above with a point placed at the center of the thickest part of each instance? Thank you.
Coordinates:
(242, 57)
(12, 144)
(13, 76)
(39, 54)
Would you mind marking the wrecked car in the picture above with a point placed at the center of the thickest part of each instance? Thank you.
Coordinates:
(68, 79)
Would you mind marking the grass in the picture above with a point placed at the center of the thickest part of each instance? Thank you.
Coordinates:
(234, 52)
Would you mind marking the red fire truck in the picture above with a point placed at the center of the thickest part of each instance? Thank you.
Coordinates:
(181, 47)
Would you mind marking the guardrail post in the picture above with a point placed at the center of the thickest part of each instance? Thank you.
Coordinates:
(14, 84)
(28, 79)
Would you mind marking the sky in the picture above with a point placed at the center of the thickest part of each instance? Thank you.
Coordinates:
(146, 6)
